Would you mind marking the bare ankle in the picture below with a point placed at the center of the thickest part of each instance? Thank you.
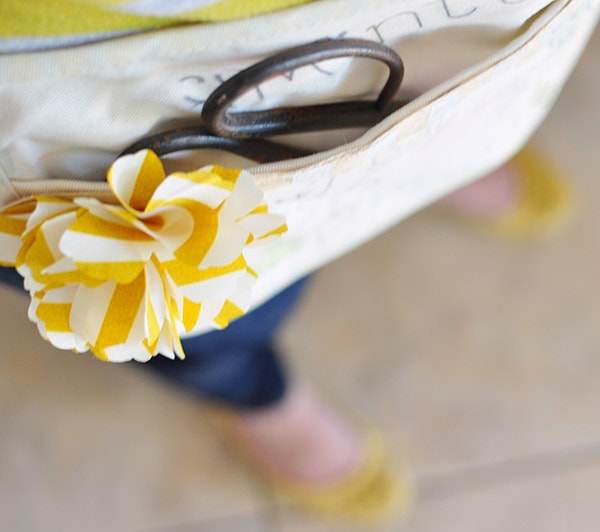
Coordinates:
(302, 437)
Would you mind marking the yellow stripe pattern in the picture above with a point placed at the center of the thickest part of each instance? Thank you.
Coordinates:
(125, 280)
(60, 18)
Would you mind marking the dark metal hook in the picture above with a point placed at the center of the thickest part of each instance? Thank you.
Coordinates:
(194, 138)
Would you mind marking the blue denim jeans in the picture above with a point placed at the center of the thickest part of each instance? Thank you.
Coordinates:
(238, 366)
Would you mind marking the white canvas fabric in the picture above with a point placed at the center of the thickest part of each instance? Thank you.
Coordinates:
(486, 73)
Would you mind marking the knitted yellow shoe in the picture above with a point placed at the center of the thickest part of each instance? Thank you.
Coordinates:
(544, 207)
(375, 492)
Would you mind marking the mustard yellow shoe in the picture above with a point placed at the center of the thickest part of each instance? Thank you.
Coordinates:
(544, 207)
(377, 491)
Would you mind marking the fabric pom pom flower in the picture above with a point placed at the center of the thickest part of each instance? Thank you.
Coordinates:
(124, 280)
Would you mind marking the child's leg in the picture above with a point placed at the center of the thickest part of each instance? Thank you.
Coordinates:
(10, 277)
(492, 195)
(287, 424)
(237, 366)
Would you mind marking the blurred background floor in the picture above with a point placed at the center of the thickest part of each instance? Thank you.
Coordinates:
(479, 358)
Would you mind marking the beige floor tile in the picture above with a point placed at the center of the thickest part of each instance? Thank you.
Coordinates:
(89, 446)
(567, 502)
(252, 522)
(301, 523)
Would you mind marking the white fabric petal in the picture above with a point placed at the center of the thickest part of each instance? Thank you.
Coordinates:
(178, 187)
(127, 352)
(9, 247)
(227, 246)
(124, 172)
(82, 247)
(89, 309)
(262, 224)
(155, 298)
(53, 230)
(62, 265)
(45, 210)
(213, 288)
(246, 196)
(176, 228)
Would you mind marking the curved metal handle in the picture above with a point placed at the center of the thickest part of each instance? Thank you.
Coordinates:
(195, 138)
(283, 120)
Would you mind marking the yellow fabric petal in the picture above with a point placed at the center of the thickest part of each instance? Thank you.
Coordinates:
(90, 305)
(153, 326)
(55, 316)
(171, 225)
(39, 256)
(150, 176)
(63, 272)
(82, 248)
(120, 315)
(191, 314)
(12, 225)
(245, 197)
(46, 209)
(228, 313)
(227, 245)
(11, 229)
(183, 274)
(202, 187)
(93, 225)
(134, 178)
(156, 302)
(121, 272)
(24, 208)
(206, 224)
(215, 175)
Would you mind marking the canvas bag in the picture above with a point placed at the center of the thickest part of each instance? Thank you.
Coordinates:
(486, 72)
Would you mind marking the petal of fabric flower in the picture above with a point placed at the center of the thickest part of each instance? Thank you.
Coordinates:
(191, 314)
(134, 178)
(172, 226)
(237, 303)
(11, 229)
(202, 236)
(229, 240)
(45, 209)
(89, 308)
(107, 250)
(201, 186)
(245, 196)
(209, 283)
(41, 248)
(156, 309)
(118, 324)
(51, 310)
(262, 226)
(117, 214)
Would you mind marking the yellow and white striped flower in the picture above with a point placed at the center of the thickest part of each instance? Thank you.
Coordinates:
(125, 280)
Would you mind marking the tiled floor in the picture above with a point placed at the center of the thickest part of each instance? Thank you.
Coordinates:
(479, 358)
